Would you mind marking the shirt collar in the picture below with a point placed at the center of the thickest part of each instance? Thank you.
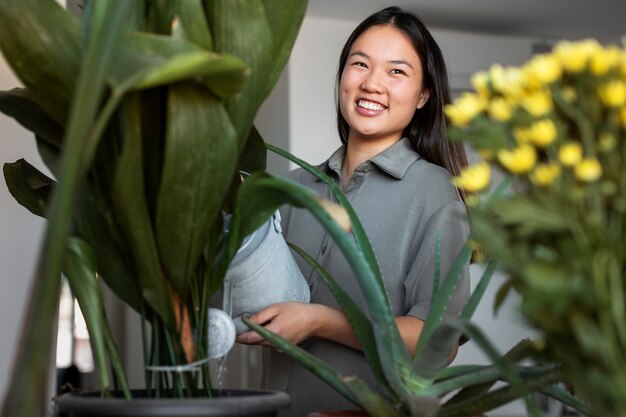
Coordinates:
(394, 160)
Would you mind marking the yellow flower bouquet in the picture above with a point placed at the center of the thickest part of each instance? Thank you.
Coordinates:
(557, 127)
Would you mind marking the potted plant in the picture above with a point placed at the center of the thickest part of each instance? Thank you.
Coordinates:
(143, 111)
(421, 384)
(557, 126)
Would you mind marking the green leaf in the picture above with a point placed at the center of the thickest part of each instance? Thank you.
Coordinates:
(149, 60)
(440, 302)
(80, 270)
(30, 188)
(193, 21)
(370, 400)
(18, 104)
(479, 291)
(242, 29)
(318, 367)
(200, 160)
(131, 212)
(41, 46)
(285, 18)
(359, 322)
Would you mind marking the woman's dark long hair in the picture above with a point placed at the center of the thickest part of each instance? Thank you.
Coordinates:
(427, 129)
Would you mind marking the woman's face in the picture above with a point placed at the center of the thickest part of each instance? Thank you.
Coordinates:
(381, 85)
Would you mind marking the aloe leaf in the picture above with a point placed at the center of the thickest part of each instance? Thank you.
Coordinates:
(199, 163)
(131, 211)
(30, 188)
(565, 397)
(479, 291)
(260, 195)
(41, 45)
(193, 20)
(284, 20)
(242, 29)
(370, 400)
(359, 322)
(440, 302)
(481, 403)
(80, 270)
(318, 367)
(26, 394)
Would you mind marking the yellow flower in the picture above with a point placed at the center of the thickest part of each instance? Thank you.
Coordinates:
(574, 55)
(542, 133)
(500, 109)
(538, 103)
(607, 142)
(545, 68)
(522, 135)
(545, 174)
(570, 154)
(604, 59)
(473, 178)
(480, 82)
(518, 160)
(508, 81)
(623, 63)
(569, 93)
(465, 108)
(613, 93)
(588, 170)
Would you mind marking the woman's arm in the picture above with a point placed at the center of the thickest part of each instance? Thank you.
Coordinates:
(297, 322)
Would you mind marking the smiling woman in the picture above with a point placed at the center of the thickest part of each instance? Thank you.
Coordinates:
(395, 168)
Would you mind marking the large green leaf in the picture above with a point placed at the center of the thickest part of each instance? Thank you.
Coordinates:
(132, 214)
(200, 160)
(285, 18)
(41, 45)
(242, 29)
(18, 104)
(80, 269)
(148, 60)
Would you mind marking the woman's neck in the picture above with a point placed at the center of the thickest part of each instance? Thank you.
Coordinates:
(359, 151)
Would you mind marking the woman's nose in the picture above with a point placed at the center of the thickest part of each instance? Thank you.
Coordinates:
(373, 84)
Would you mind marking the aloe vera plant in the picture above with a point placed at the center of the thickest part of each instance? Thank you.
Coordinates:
(143, 111)
(421, 384)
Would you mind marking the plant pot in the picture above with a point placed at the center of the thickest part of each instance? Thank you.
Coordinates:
(244, 403)
(339, 413)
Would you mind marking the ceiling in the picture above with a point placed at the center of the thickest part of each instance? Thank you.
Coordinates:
(546, 19)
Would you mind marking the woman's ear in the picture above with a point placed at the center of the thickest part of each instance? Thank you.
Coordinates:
(424, 96)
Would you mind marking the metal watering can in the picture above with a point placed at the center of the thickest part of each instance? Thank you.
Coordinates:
(263, 272)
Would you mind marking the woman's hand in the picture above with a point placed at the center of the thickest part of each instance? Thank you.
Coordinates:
(293, 321)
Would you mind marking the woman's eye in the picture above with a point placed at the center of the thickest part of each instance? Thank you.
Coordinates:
(397, 71)
(360, 64)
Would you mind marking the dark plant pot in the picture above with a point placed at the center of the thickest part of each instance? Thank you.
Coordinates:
(244, 403)
(339, 413)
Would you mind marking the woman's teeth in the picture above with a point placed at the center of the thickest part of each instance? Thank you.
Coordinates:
(370, 106)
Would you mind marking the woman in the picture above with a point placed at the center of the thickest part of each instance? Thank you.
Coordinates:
(395, 167)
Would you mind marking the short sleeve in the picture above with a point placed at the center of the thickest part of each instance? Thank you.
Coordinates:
(451, 222)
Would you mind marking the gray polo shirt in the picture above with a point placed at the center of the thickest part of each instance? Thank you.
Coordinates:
(402, 201)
